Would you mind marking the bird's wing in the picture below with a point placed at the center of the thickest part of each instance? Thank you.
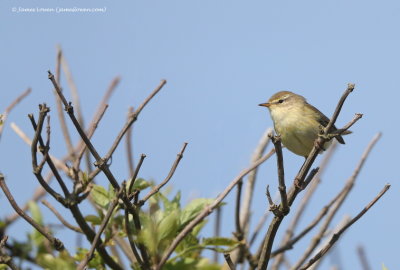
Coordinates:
(323, 120)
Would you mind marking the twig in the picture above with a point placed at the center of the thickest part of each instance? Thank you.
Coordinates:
(170, 174)
(103, 225)
(90, 235)
(38, 138)
(363, 258)
(128, 147)
(284, 209)
(238, 256)
(272, 206)
(357, 117)
(56, 243)
(259, 226)
(61, 117)
(133, 117)
(334, 256)
(209, 209)
(60, 164)
(343, 195)
(248, 192)
(298, 183)
(93, 126)
(60, 217)
(135, 174)
(38, 169)
(239, 232)
(73, 88)
(302, 206)
(350, 88)
(39, 193)
(4, 116)
(124, 246)
(337, 235)
(129, 233)
(100, 163)
(217, 230)
(103, 105)
(4, 258)
(289, 244)
(103, 166)
(228, 260)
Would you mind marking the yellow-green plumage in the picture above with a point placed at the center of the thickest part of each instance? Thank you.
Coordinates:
(297, 122)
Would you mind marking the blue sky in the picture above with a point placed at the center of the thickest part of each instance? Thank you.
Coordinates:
(221, 59)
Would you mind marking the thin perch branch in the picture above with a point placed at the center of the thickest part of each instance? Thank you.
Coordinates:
(4, 116)
(337, 235)
(133, 117)
(343, 195)
(209, 209)
(170, 174)
(56, 243)
(60, 217)
(103, 225)
(284, 209)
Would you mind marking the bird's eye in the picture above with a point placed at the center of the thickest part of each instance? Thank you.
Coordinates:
(280, 101)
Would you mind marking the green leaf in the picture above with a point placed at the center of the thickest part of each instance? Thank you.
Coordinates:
(111, 192)
(193, 209)
(170, 206)
(139, 184)
(95, 220)
(35, 211)
(220, 241)
(100, 196)
(48, 261)
(169, 225)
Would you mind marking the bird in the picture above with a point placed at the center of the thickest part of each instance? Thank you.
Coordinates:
(298, 123)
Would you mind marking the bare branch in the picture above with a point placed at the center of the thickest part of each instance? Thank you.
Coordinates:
(228, 260)
(4, 116)
(56, 243)
(38, 169)
(129, 233)
(73, 88)
(289, 244)
(93, 127)
(103, 105)
(217, 229)
(4, 258)
(60, 164)
(284, 209)
(350, 88)
(60, 217)
(170, 174)
(209, 209)
(128, 147)
(337, 235)
(343, 195)
(135, 174)
(103, 225)
(133, 117)
(251, 179)
(302, 206)
(61, 117)
(363, 258)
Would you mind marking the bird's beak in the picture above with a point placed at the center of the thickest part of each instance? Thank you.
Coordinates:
(265, 104)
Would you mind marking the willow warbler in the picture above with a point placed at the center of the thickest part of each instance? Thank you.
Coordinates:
(297, 122)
